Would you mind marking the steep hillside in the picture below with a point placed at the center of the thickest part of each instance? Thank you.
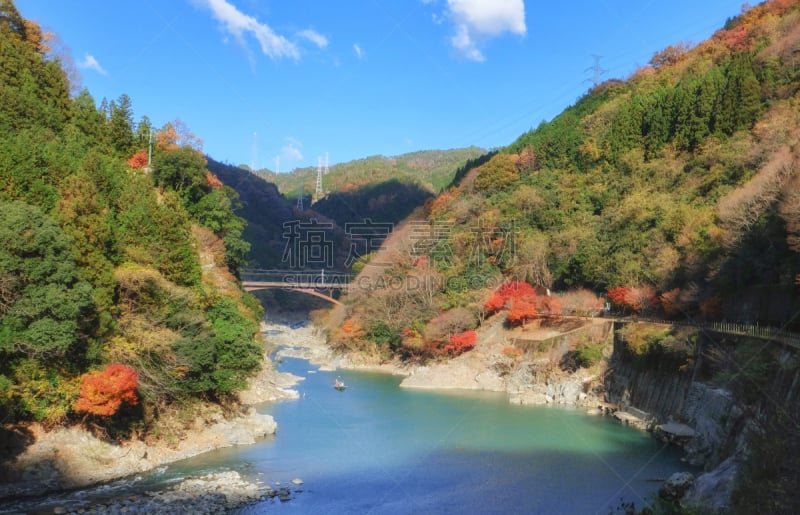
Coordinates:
(265, 210)
(117, 304)
(675, 190)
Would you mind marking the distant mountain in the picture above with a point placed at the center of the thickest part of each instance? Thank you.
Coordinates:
(432, 170)
(377, 189)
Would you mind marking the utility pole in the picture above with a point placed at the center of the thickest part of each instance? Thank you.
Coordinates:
(149, 167)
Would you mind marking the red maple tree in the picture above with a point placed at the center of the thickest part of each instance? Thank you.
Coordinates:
(104, 391)
(518, 297)
(138, 160)
(521, 310)
(460, 343)
(617, 296)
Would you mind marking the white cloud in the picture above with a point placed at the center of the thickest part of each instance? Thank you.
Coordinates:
(477, 20)
(358, 50)
(90, 63)
(315, 37)
(238, 24)
(490, 17)
(291, 149)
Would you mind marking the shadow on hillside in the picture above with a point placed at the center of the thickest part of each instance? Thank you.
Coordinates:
(386, 202)
(267, 212)
(14, 440)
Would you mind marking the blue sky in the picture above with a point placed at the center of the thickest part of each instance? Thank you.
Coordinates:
(262, 80)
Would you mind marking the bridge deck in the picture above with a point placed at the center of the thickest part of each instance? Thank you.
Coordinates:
(293, 285)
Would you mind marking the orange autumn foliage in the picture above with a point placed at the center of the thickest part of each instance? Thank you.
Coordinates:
(104, 391)
(460, 343)
(352, 329)
(212, 181)
(176, 134)
(138, 160)
(521, 311)
(518, 297)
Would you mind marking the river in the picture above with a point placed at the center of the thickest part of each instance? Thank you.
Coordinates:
(377, 448)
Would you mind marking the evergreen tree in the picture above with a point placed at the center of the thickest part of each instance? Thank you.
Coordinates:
(120, 126)
(143, 131)
(87, 118)
(43, 298)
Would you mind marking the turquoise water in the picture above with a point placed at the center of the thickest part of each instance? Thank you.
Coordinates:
(377, 448)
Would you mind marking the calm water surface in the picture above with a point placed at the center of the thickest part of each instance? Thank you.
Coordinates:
(377, 448)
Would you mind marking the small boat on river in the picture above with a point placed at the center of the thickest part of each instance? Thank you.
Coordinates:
(339, 384)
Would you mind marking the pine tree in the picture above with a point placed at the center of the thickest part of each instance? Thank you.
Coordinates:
(120, 126)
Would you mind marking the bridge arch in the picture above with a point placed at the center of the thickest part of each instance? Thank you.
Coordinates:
(310, 291)
(304, 282)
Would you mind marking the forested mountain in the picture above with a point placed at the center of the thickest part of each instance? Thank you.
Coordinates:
(675, 193)
(106, 314)
(430, 170)
(376, 189)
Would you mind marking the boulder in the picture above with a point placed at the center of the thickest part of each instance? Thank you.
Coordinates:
(676, 486)
(712, 491)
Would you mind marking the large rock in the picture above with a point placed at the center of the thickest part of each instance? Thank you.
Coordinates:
(464, 372)
(712, 491)
(259, 425)
(674, 432)
(676, 486)
(632, 418)
(712, 413)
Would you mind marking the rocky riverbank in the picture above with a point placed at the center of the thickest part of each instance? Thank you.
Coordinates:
(69, 458)
(502, 361)
(209, 494)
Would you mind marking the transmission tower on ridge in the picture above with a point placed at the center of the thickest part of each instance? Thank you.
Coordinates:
(318, 190)
(300, 197)
(597, 71)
